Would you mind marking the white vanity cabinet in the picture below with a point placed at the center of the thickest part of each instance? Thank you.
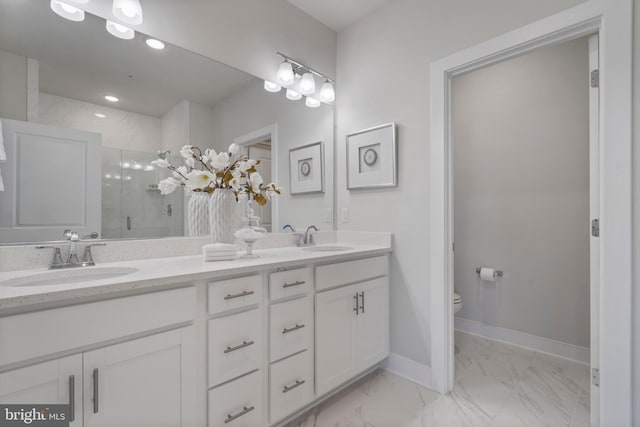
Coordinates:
(135, 382)
(352, 320)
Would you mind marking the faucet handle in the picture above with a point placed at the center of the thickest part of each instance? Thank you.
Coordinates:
(57, 255)
(87, 258)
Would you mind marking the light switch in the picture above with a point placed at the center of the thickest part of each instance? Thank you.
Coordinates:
(345, 215)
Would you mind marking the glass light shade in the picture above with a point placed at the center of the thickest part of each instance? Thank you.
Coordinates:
(67, 11)
(120, 31)
(128, 11)
(312, 102)
(327, 92)
(307, 84)
(285, 74)
(293, 95)
(271, 86)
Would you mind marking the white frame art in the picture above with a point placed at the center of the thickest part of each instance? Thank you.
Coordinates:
(306, 169)
(612, 19)
(372, 158)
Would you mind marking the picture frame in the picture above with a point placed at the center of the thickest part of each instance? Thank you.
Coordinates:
(306, 169)
(372, 158)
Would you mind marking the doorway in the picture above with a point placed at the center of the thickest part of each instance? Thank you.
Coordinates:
(611, 20)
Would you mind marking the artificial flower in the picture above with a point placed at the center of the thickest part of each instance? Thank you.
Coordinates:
(220, 161)
(198, 180)
(168, 185)
(161, 163)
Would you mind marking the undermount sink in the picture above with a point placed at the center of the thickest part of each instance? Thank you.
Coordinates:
(64, 277)
(328, 248)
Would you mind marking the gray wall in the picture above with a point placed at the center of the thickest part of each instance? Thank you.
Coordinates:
(13, 86)
(521, 192)
(383, 75)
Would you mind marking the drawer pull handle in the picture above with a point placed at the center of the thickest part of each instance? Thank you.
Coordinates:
(293, 328)
(362, 306)
(355, 297)
(239, 346)
(241, 294)
(245, 410)
(72, 398)
(96, 388)
(288, 388)
(296, 283)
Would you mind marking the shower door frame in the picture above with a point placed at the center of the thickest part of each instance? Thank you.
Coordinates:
(612, 21)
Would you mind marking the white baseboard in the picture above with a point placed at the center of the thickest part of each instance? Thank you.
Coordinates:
(521, 339)
(409, 369)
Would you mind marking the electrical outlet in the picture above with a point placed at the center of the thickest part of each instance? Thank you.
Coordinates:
(345, 215)
(328, 215)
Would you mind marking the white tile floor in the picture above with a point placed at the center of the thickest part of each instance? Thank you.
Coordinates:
(496, 385)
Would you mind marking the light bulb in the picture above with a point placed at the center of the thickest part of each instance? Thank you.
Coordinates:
(293, 95)
(285, 74)
(307, 84)
(128, 11)
(271, 86)
(312, 102)
(120, 31)
(154, 44)
(67, 11)
(327, 92)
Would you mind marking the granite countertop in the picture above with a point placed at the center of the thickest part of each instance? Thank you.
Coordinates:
(158, 273)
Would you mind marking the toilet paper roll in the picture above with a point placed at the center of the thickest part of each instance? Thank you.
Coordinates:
(488, 274)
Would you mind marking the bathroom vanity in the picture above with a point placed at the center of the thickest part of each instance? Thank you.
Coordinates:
(239, 343)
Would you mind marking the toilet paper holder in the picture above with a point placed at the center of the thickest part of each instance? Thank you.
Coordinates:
(496, 273)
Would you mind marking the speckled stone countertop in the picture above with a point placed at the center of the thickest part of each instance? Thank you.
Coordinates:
(159, 273)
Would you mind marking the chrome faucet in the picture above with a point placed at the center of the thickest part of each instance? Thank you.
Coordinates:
(72, 255)
(308, 236)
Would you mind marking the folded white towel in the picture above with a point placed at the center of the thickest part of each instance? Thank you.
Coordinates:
(3, 154)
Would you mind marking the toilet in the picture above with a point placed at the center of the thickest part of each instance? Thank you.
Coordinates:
(457, 303)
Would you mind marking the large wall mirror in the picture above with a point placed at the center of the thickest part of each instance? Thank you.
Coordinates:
(76, 160)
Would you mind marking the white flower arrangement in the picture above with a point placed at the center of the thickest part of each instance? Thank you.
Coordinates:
(209, 171)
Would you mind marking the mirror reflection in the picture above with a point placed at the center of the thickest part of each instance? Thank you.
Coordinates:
(84, 114)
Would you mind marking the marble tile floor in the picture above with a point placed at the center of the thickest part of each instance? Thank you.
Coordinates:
(497, 385)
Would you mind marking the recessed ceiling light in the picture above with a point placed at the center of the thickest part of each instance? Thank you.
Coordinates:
(100, 115)
(154, 44)
(112, 98)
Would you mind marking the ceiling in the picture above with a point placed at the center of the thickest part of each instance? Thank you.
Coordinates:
(80, 60)
(338, 14)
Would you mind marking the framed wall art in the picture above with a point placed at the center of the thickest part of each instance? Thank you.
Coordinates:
(372, 158)
(306, 169)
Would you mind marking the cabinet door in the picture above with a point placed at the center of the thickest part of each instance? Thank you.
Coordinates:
(335, 335)
(145, 382)
(56, 382)
(372, 323)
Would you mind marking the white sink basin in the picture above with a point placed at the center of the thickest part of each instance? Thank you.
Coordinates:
(328, 248)
(64, 277)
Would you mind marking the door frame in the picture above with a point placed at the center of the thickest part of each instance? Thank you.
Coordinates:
(271, 132)
(612, 20)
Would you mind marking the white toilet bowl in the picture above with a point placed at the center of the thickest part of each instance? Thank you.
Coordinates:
(457, 303)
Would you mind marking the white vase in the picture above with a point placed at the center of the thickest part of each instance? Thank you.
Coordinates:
(222, 216)
(198, 214)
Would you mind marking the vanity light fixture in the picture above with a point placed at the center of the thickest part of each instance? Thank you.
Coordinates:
(271, 86)
(100, 115)
(311, 102)
(67, 10)
(307, 84)
(285, 73)
(290, 70)
(293, 95)
(327, 92)
(154, 44)
(128, 11)
(112, 98)
(120, 31)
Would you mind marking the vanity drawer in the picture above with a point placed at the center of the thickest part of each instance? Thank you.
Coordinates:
(234, 345)
(332, 275)
(291, 385)
(291, 327)
(238, 403)
(231, 294)
(291, 282)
